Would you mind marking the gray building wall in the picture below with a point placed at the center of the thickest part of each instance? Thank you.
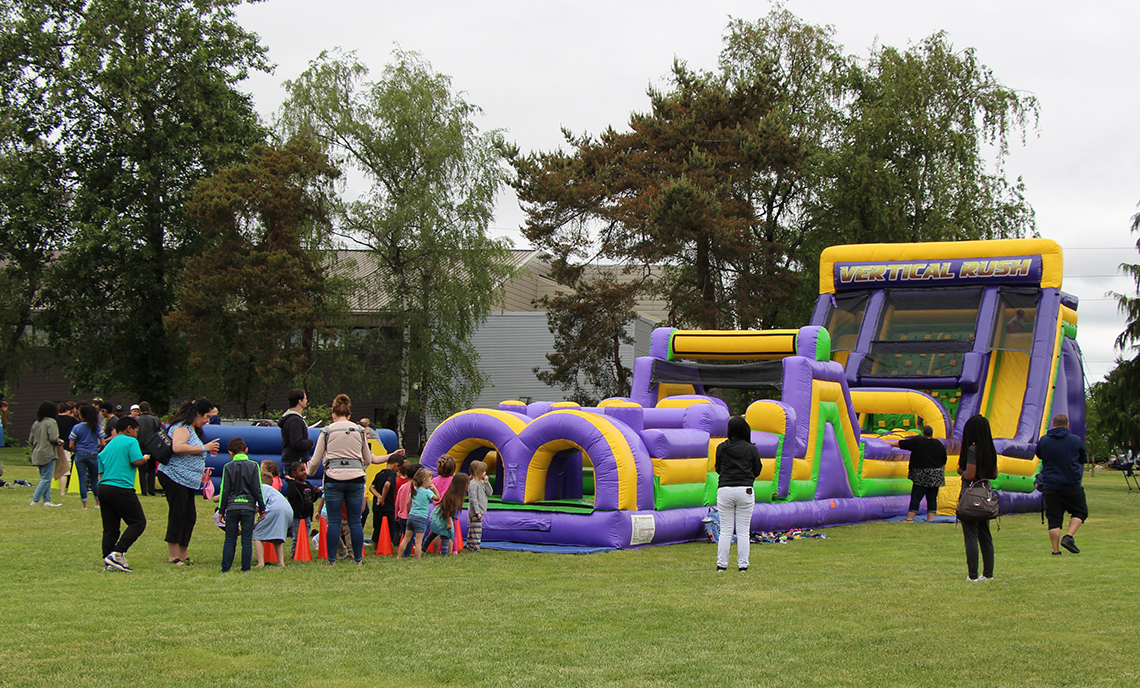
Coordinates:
(512, 344)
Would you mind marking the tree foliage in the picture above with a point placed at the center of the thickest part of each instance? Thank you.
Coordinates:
(432, 179)
(252, 307)
(1116, 398)
(590, 327)
(33, 227)
(138, 99)
(736, 179)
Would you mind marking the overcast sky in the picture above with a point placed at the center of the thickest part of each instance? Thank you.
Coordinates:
(534, 67)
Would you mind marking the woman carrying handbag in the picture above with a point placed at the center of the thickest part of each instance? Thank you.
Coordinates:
(977, 461)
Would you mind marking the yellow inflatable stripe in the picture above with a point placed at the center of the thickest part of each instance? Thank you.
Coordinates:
(902, 401)
(832, 391)
(1014, 466)
(513, 422)
(765, 417)
(681, 403)
(668, 389)
(1068, 315)
(714, 442)
(623, 457)
(540, 467)
(884, 469)
(681, 471)
(733, 344)
(1047, 416)
(1049, 250)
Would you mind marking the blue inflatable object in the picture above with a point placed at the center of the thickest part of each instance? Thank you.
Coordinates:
(264, 444)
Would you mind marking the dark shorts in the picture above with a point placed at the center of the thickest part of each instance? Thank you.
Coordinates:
(1057, 502)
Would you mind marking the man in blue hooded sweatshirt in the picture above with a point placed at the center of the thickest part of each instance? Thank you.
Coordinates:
(1062, 465)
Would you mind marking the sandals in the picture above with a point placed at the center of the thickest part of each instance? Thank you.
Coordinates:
(181, 562)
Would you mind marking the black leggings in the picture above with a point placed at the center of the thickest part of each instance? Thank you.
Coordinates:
(978, 533)
(917, 492)
(120, 503)
(183, 511)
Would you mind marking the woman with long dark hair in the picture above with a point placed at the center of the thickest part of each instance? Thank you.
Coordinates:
(86, 439)
(977, 461)
(45, 442)
(182, 476)
(737, 467)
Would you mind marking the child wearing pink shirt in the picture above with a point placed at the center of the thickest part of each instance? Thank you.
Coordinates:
(445, 471)
(402, 493)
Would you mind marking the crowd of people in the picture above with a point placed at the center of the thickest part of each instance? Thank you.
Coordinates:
(1062, 456)
(263, 510)
(100, 446)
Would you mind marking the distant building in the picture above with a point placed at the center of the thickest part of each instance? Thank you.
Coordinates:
(512, 342)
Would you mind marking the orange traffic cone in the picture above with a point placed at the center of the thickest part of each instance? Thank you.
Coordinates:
(323, 547)
(384, 546)
(302, 552)
(270, 552)
(457, 546)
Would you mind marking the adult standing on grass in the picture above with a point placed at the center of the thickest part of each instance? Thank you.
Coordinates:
(926, 471)
(45, 442)
(295, 442)
(66, 417)
(117, 464)
(738, 466)
(182, 476)
(86, 439)
(1062, 466)
(149, 425)
(343, 450)
(3, 418)
(978, 461)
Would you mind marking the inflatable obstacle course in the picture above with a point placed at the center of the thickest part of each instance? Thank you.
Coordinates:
(902, 335)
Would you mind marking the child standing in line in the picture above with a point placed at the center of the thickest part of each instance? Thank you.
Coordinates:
(383, 491)
(271, 530)
(271, 469)
(301, 496)
(478, 492)
(240, 502)
(445, 468)
(402, 492)
(442, 521)
(420, 497)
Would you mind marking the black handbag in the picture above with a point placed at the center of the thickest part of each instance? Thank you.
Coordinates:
(977, 502)
(159, 447)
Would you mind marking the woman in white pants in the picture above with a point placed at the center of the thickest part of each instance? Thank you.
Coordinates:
(738, 466)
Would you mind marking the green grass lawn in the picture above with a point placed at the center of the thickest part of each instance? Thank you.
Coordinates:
(879, 604)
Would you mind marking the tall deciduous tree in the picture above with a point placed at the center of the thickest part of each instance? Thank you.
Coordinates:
(432, 178)
(737, 179)
(672, 191)
(252, 308)
(139, 100)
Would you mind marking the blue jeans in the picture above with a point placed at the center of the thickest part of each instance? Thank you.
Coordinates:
(351, 497)
(87, 464)
(238, 518)
(43, 487)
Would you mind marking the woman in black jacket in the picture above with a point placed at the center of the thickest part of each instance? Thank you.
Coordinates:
(737, 466)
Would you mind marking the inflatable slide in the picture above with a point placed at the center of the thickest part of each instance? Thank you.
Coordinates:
(902, 335)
